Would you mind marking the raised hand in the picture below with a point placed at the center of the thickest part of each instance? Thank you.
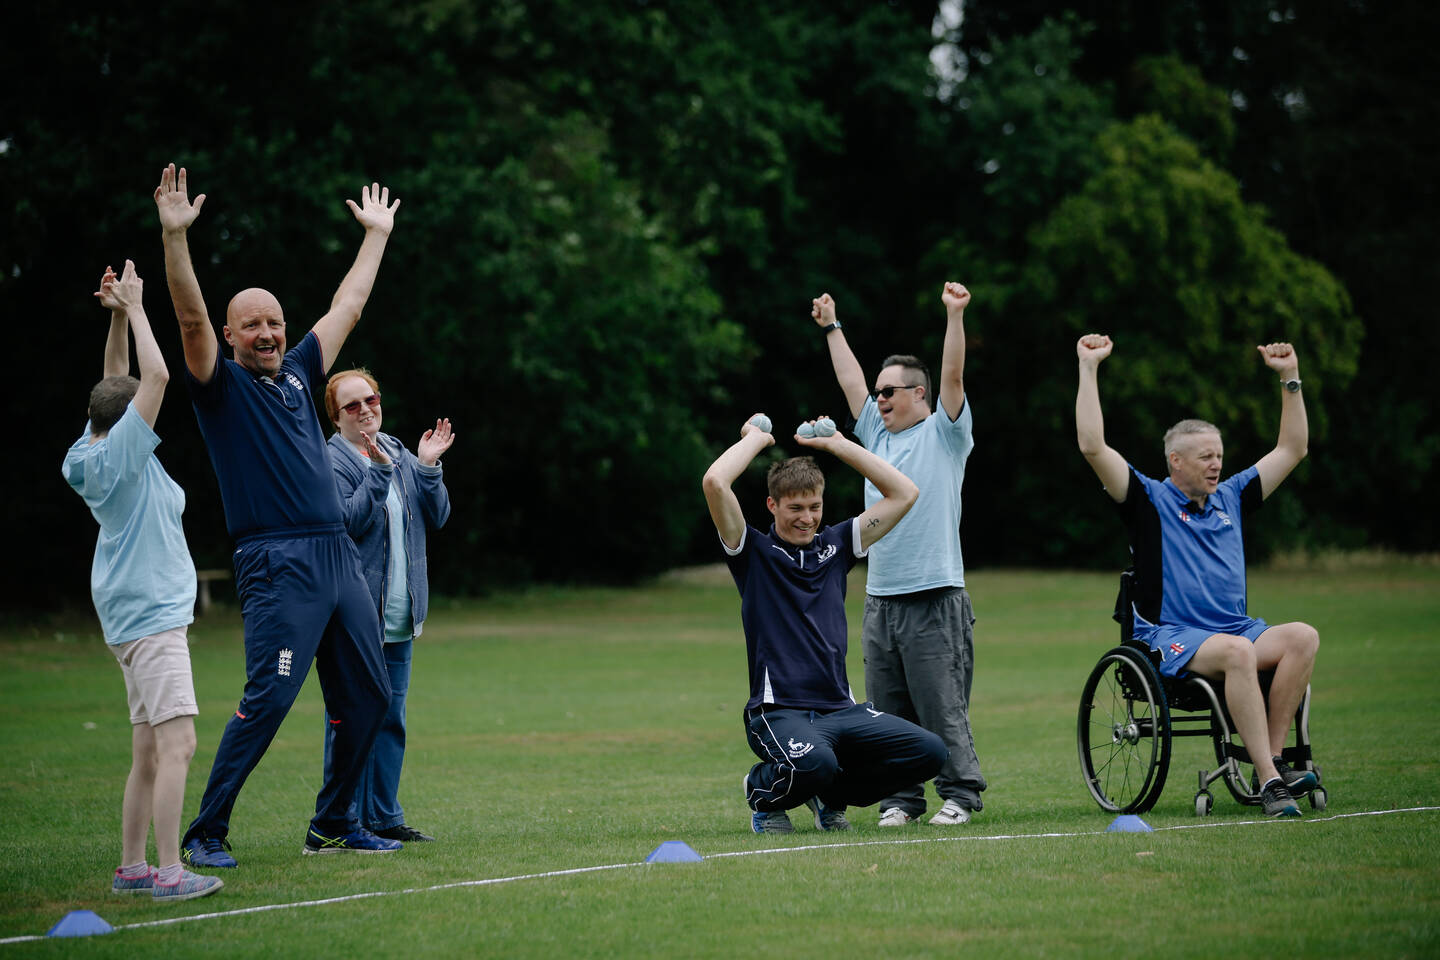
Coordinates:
(375, 211)
(749, 427)
(173, 201)
(1281, 358)
(106, 293)
(822, 310)
(372, 449)
(1093, 347)
(955, 296)
(433, 443)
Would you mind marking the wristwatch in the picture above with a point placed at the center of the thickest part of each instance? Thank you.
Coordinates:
(1291, 386)
(833, 326)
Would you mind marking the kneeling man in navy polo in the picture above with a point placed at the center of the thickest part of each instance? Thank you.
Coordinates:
(816, 745)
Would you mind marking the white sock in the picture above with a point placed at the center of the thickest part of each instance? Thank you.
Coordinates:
(170, 875)
(134, 871)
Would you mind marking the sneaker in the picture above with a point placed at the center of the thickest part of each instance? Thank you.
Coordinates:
(358, 840)
(894, 817)
(140, 884)
(207, 852)
(188, 887)
(404, 833)
(1298, 782)
(952, 814)
(827, 818)
(775, 822)
(1277, 800)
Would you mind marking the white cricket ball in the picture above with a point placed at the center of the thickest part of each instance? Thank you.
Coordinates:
(761, 421)
(805, 429)
(824, 427)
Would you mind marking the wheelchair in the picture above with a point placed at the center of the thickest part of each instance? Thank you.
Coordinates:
(1130, 715)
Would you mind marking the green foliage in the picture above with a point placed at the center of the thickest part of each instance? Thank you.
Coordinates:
(1178, 92)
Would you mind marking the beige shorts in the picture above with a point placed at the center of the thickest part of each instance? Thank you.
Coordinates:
(157, 677)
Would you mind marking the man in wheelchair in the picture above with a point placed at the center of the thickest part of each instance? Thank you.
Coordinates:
(1185, 538)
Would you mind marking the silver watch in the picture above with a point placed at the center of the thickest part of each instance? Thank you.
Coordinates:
(1291, 385)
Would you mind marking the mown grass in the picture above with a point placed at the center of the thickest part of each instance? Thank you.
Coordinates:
(559, 729)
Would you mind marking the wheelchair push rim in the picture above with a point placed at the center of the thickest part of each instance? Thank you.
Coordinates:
(1123, 733)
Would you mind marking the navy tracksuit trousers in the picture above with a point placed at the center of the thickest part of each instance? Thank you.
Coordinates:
(303, 599)
(851, 757)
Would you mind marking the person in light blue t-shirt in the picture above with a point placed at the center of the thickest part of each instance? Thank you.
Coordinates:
(143, 583)
(1186, 536)
(918, 630)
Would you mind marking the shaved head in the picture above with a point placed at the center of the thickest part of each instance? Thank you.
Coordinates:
(250, 299)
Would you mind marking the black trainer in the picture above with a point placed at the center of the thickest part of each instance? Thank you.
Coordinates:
(404, 833)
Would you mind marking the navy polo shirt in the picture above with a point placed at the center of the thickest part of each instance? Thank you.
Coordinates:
(1190, 566)
(266, 444)
(792, 606)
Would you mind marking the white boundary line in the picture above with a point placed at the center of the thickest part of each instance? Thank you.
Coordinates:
(575, 871)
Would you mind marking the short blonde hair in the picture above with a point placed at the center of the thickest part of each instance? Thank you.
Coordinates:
(790, 478)
(1187, 428)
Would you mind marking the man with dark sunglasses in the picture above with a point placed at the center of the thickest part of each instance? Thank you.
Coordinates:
(917, 633)
(297, 572)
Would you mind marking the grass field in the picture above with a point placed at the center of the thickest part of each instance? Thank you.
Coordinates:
(565, 729)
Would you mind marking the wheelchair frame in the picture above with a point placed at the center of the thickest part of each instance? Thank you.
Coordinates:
(1130, 713)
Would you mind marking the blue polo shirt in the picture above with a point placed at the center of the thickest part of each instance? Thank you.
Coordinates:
(792, 606)
(1190, 565)
(266, 444)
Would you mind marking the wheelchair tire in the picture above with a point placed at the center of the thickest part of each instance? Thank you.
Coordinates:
(1123, 733)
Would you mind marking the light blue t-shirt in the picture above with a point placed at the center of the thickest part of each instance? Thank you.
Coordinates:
(142, 579)
(922, 552)
(397, 588)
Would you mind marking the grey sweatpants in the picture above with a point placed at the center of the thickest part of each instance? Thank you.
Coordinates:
(919, 659)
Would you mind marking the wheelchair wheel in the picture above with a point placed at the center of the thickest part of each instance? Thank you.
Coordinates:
(1123, 733)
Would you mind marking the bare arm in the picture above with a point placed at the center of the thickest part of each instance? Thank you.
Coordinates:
(952, 358)
(154, 375)
(377, 215)
(1294, 441)
(848, 372)
(117, 343)
(177, 213)
(724, 505)
(897, 490)
(1108, 465)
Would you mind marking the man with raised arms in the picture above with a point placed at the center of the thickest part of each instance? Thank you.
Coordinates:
(297, 573)
(816, 745)
(1186, 540)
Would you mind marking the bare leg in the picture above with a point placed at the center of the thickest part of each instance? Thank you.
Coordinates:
(174, 746)
(1289, 649)
(139, 790)
(1232, 659)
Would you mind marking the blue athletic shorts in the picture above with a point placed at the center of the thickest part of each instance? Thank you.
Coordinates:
(1177, 643)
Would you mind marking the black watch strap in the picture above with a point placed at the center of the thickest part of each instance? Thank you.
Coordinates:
(831, 327)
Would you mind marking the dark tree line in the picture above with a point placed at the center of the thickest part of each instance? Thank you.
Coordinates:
(615, 215)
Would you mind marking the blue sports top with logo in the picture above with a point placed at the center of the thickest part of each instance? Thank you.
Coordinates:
(1190, 565)
(266, 444)
(792, 606)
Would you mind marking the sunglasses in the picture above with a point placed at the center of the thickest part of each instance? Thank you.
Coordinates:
(888, 392)
(353, 407)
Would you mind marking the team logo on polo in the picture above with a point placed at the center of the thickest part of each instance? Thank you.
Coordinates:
(797, 749)
(286, 657)
(1177, 648)
(294, 381)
